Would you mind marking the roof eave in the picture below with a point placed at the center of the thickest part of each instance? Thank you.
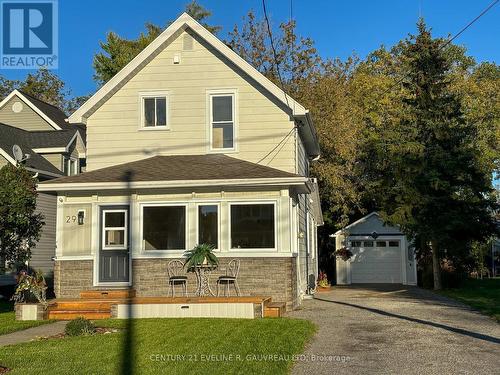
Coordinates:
(288, 181)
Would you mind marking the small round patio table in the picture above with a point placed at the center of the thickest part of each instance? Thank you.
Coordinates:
(202, 272)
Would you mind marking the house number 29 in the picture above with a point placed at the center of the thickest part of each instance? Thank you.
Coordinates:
(71, 219)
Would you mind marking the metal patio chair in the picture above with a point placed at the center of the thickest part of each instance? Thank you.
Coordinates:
(231, 277)
(175, 269)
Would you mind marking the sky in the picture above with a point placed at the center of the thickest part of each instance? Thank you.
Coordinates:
(339, 28)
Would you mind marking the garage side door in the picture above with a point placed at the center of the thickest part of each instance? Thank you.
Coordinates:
(376, 262)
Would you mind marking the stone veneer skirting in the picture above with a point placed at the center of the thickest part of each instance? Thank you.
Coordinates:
(273, 277)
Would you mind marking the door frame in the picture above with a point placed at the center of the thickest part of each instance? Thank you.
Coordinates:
(97, 241)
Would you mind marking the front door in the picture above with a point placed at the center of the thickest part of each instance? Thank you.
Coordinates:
(114, 244)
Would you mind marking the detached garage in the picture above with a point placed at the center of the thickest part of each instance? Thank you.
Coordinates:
(381, 254)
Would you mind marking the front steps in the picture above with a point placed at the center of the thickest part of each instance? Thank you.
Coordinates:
(97, 304)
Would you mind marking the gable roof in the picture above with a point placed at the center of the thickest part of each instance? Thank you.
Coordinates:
(300, 113)
(177, 170)
(9, 136)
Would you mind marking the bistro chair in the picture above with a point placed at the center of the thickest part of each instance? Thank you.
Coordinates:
(175, 269)
(231, 277)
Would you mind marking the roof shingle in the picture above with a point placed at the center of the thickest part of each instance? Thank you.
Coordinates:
(179, 168)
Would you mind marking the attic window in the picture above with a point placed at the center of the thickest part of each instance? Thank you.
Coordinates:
(154, 111)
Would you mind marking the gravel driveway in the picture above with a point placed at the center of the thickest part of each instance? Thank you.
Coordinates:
(396, 330)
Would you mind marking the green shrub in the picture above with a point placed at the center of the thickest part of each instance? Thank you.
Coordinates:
(79, 327)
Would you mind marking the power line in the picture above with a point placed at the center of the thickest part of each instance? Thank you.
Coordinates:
(452, 38)
(276, 64)
(275, 54)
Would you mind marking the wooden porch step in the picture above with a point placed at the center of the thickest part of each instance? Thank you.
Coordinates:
(73, 314)
(108, 294)
(274, 309)
(83, 305)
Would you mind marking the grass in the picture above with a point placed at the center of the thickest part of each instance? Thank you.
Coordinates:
(482, 295)
(8, 322)
(170, 346)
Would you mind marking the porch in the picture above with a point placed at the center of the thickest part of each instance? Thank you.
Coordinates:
(124, 303)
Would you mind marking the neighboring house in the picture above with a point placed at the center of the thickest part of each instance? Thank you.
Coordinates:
(189, 144)
(381, 254)
(53, 148)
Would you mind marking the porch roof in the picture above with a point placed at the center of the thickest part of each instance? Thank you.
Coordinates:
(173, 171)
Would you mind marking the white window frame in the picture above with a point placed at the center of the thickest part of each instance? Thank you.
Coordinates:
(68, 161)
(141, 228)
(198, 204)
(154, 95)
(239, 203)
(210, 95)
(124, 228)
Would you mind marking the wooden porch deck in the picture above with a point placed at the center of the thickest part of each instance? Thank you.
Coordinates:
(102, 304)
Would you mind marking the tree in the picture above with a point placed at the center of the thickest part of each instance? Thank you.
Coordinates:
(46, 86)
(118, 52)
(20, 225)
(435, 185)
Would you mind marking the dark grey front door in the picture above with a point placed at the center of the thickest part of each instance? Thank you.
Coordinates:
(114, 244)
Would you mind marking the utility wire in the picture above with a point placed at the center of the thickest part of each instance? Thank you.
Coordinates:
(452, 38)
(275, 54)
(276, 64)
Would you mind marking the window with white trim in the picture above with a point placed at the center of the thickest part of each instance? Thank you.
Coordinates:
(253, 226)
(154, 111)
(70, 166)
(164, 227)
(222, 121)
(208, 224)
(114, 229)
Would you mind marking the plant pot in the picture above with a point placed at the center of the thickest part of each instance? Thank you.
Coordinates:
(30, 311)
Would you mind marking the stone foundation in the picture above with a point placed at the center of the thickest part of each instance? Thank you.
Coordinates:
(273, 277)
(71, 277)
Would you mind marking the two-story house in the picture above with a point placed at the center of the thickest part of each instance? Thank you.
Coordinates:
(190, 144)
(51, 148)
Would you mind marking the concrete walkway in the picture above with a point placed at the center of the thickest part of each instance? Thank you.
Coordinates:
(32, 333)
(396, 330)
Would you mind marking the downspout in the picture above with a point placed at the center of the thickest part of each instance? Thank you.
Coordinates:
(306, 238)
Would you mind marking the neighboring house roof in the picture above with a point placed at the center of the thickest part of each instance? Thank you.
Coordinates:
(177, 170)
(300, 113)
(9, 136)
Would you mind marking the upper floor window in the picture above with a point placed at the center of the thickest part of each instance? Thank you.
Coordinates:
(70, 166)
(154, 111)
(222, 121)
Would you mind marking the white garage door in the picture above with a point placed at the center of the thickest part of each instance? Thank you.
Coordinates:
(376, 262)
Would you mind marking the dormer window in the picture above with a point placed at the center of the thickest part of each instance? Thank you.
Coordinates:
(222, 121)
(70, 166)
(154, 110)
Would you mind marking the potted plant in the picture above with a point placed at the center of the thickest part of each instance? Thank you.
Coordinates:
(201, 254)
(344, 253)
(323, 284)
(30, 296)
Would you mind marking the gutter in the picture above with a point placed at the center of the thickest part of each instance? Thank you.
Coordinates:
(72, 186)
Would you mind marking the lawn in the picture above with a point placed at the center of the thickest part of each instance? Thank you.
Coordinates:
(483, 295)
(8, 322)
(170, 346)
